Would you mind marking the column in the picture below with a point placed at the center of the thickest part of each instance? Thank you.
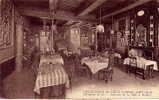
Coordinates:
(19, 47)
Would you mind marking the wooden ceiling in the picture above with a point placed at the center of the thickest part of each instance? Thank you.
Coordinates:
(68, 11)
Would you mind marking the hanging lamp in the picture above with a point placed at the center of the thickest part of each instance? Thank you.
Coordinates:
(112, 31)
(53, 25)
(100, 27)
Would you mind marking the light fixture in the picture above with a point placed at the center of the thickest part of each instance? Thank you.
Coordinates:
(141, 13)
(100, 27)
(53, 25)
(112, 31)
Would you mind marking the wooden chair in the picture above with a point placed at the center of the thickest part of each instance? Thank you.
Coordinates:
(81, 70)
(150, 71)
(107, 74)
(132, 67)
(35, 63)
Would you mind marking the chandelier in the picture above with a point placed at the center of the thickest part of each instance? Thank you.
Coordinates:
(53, 25)
(112, 31)
(52, 14)
(100, 27)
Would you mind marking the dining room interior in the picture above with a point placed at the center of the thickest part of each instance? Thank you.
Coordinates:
(61, 49)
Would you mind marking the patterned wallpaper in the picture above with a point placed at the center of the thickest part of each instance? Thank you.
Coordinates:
(6, 24)
(6, 30)
(9, 18)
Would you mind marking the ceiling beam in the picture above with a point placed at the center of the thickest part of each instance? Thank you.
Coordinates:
(137, 3)
(92, 7)
(60, 15)
(89, 9)
(31, 0)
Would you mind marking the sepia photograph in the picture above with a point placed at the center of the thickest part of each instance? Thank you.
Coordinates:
(79, 49)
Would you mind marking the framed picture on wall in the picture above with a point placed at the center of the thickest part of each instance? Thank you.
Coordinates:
(141, 35)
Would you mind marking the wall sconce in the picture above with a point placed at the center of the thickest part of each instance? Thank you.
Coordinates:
(141, 13)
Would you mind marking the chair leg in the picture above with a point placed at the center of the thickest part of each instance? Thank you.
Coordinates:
(37, 96)
(143, 75)
(58, 92)
(99, 75)
(135, 72)
(90, 74)
(45, 92)
(127, 70)
(70, 78)
(106, 78)
(111, 77)
(151, 72)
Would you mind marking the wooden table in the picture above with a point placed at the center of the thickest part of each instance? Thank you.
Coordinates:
(143, 65)
(94, 65)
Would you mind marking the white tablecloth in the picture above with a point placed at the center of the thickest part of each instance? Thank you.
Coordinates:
(54, 59)
(51, 76)
(95, 64)
(117, 55)
(142, 63)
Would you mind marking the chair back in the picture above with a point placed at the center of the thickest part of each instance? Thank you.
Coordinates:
(133, 61)
(111, 60)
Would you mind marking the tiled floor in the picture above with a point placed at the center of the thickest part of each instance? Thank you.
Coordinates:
(84, 87)
(20, 85)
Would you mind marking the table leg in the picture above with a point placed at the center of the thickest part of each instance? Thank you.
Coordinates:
(144, 72)
(58, 91)
(45, 92)
(150, 71)
(37, 96)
